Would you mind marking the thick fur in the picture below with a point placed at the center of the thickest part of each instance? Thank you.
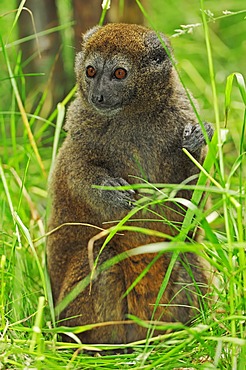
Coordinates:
(138, 130)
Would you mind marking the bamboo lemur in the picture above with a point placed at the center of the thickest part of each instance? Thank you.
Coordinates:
(131, 116)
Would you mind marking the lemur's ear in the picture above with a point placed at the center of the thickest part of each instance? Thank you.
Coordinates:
(159, 46)
(89, 33)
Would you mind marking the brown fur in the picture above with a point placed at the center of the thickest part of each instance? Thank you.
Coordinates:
(143, 138)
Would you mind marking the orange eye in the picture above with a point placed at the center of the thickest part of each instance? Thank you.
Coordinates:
(120, 73)
(90, 71)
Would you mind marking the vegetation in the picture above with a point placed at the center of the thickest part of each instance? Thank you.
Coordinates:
(209, 43)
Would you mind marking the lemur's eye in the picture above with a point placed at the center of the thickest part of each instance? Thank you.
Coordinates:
(90, 71)
(120, 73)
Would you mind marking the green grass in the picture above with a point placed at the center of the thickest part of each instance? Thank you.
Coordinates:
(211, 63)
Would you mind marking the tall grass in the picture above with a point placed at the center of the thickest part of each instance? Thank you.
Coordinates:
(28, 146)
